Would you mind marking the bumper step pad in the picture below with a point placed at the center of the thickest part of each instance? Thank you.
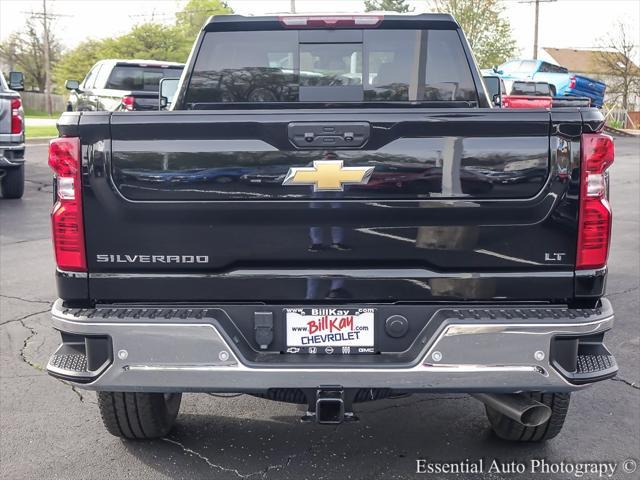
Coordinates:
(71, 362)
(593, 363)
(589, 364)
(187, 312)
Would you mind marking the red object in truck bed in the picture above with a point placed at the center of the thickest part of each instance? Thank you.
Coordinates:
(525, 101)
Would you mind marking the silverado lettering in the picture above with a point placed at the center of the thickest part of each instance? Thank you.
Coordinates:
(105, 258)
(366, 225)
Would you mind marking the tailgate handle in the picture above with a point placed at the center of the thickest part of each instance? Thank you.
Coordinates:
(310, 135)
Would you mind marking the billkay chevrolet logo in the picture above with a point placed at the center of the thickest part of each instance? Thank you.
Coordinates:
(328, 175)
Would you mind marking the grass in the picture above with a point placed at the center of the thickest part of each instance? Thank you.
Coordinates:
(28, 112)
(48, 131)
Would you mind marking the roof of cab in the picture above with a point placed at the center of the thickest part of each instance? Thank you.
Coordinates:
(151, 63)
(248, 22)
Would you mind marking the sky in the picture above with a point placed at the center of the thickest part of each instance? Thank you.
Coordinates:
(563, 23)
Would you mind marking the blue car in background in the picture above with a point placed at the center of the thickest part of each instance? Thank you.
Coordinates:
(563, 83)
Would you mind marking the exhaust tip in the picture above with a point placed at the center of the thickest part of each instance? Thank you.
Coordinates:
(535, 416)
(518, 407)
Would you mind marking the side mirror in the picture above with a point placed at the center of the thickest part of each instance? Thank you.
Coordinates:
(16, 81)
(167, 90)
(72, 85)
(494, 89)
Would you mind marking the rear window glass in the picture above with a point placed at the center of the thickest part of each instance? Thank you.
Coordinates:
(523, 88)
(134, 77)
(524, 66)
(543, 89)
(387, 65)
(538, 89)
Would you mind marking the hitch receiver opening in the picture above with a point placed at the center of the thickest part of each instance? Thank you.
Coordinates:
(330, 406)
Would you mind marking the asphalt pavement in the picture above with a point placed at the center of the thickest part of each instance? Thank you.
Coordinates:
(50, 430)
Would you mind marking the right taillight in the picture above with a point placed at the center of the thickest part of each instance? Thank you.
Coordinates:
(594, 224)
(16, 116)
(572, 81)
(66, 217)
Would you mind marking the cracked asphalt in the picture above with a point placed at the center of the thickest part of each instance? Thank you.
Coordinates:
(51, 430)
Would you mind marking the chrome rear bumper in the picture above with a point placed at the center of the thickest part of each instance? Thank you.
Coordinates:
(485, 354)
(9, 144)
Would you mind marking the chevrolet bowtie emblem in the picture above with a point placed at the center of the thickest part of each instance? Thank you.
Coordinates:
(328, 175)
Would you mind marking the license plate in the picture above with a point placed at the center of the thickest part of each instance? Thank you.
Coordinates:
(330, 331)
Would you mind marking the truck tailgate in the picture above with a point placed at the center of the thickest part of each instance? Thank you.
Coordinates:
(5, 113)
(589, 86)
(191, 206)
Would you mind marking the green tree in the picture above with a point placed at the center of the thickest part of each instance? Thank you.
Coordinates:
(400, 6)
(75, 64)
(151, 41)
(191, 18)
(488, 32)
(24, 51)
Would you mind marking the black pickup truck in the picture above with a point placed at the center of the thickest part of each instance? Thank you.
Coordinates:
(331, 212)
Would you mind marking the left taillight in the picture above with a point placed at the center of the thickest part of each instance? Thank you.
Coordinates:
(595, 217)
(16, 116)
(66, 217)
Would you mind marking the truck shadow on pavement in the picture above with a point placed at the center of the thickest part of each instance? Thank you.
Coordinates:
(390, 436)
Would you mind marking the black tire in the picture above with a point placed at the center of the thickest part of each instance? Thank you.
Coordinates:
(13, 182)
(509, 429)
(139, 416)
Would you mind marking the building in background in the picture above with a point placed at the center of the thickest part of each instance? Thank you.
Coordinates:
(591, 64)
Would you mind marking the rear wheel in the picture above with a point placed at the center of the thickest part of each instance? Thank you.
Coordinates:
(508, 429)
(139, 416)
(13, 182)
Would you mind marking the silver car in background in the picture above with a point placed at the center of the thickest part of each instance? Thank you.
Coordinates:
(11, 136)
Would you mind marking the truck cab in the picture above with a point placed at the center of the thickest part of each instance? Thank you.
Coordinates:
(120, 85)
